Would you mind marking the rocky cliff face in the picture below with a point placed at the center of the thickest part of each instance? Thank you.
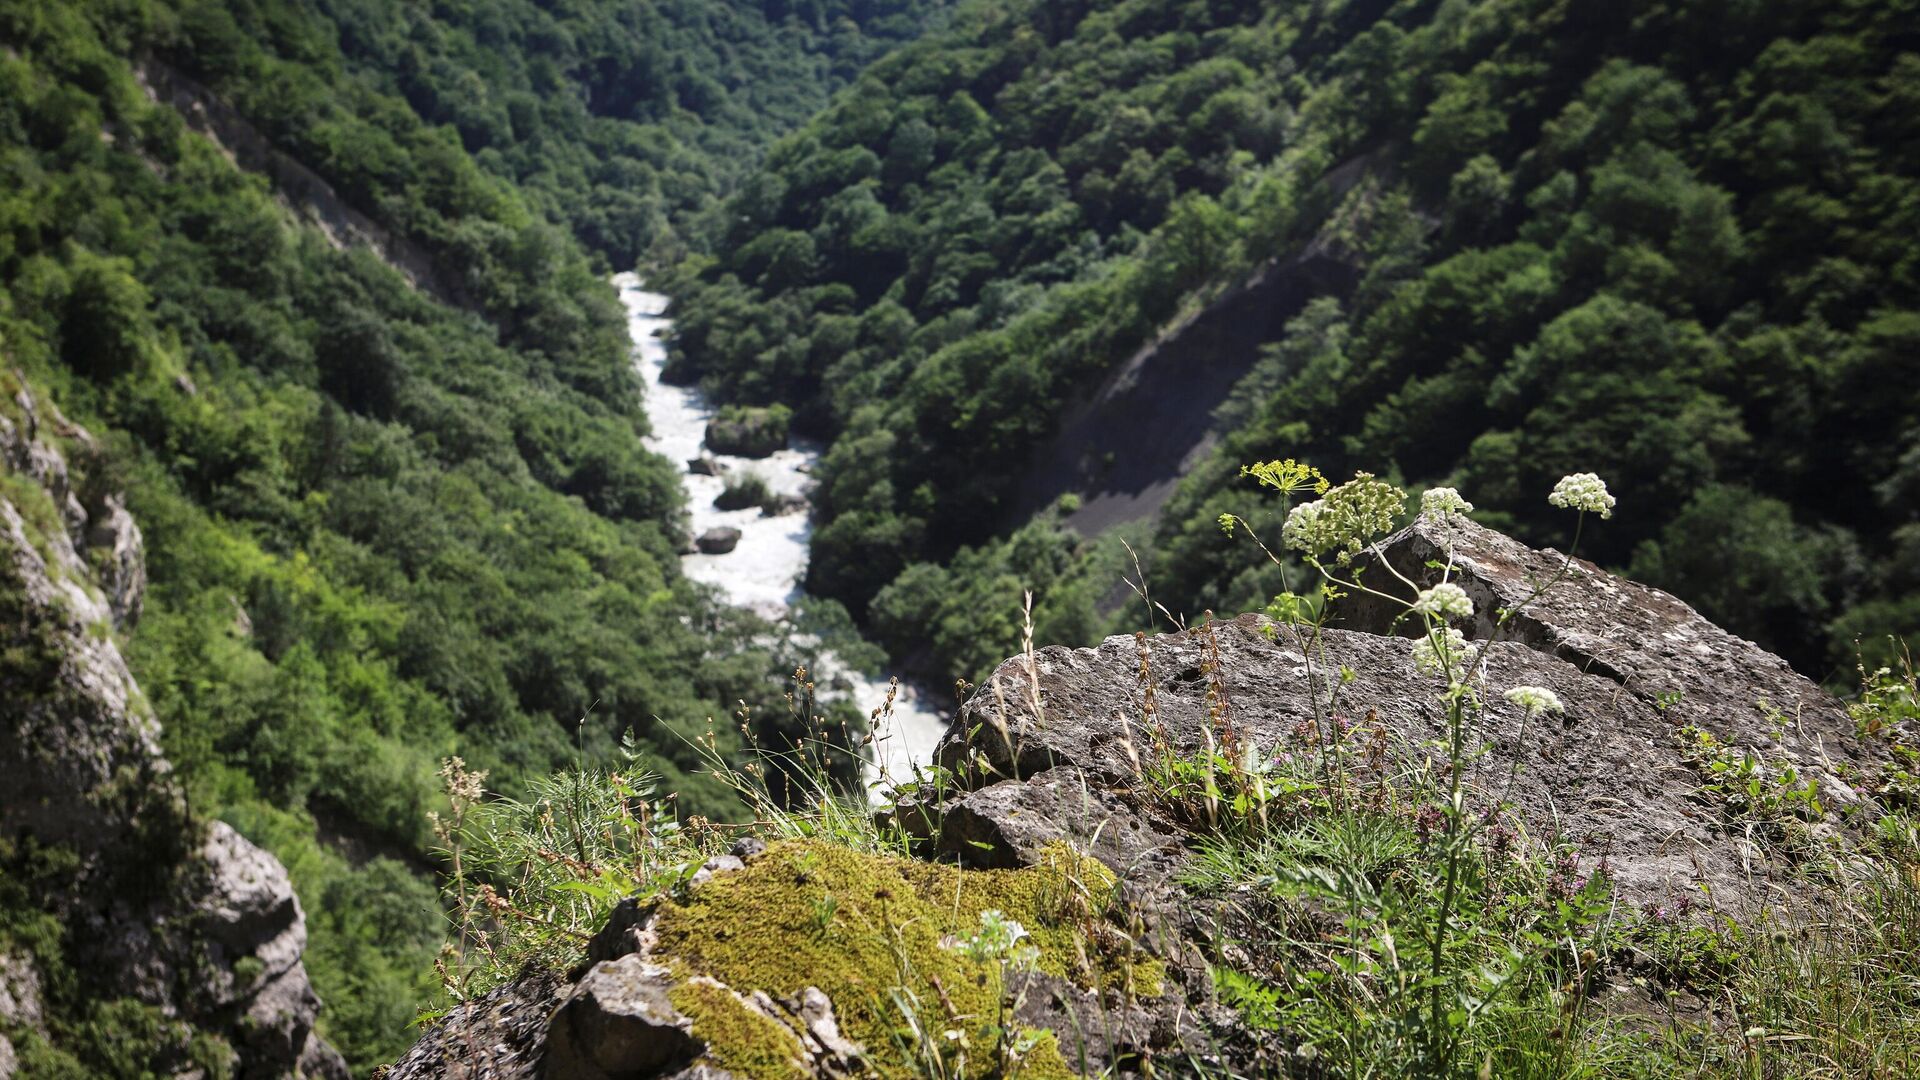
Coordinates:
(1048, 759)
(189, 920)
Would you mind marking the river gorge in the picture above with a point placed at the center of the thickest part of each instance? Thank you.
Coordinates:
(764, 570)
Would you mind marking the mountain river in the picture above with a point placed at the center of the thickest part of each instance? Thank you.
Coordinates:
(763, 572)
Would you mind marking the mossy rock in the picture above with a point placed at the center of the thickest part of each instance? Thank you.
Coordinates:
(748, 1044)
(749, 432)
(872, 930)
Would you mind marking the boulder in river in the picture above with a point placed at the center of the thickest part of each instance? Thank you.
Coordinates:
(718, 541)
(704, 465)
(749, 432)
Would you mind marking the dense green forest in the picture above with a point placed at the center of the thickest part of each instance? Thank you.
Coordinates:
(621, 123)
(383, 527)
(1663, 240)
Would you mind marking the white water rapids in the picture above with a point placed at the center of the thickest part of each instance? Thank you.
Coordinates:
(764, 570)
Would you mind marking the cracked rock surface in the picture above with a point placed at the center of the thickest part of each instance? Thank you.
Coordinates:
(1632, 665)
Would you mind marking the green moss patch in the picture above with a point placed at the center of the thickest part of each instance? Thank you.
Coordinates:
(740, 1040)
(865, 928)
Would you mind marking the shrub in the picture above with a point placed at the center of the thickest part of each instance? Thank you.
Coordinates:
(742, 492)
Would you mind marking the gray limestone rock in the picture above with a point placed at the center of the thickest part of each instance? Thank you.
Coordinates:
(1610, 775)
(500, 1035)
(617, 1023)
(1649, 643)
(782, 505)
(1058, 753)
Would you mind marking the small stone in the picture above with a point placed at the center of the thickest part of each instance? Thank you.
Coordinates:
(823, 1031)
(719, 864)
(625, 933)
(782, 505)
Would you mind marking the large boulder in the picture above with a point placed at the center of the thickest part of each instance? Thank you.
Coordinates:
(1640, 673)
(745, 973)
(617, 1021)
(1650, 644)
(1049, 762)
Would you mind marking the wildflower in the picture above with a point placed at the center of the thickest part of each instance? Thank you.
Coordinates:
(1443, 504)
(464, 785)
(1443, 652)
(1345, 519)
(1287, 476)
(1584, 492)
(1426, 820)
(1535, 699)
(1445, 601)
(1498, 838)
(998, 939)
(1303, 531)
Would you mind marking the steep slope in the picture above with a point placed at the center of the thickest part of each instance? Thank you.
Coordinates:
(134, 937)
(618, 122)
(1654, 240)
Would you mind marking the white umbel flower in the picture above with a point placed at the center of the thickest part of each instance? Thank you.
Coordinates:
(1443, 504)
(1302, 531)
(1535, 699)
(1444, 649)
(1584, 492)
(1445, 601)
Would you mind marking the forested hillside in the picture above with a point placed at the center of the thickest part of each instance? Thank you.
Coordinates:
(618, 122)
(1665, 240)
(388, 524)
